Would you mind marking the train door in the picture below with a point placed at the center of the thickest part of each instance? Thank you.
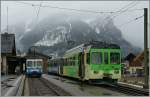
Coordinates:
(79, 62)
(81, 65)
(61, 66)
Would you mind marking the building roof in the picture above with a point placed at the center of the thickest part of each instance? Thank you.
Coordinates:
(138, 60)
(130, 57)
(36, 54)
(135, 61)
(8, 44)
(102, 44)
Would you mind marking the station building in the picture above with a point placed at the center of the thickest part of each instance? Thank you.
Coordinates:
(135, 64)
(8, 48)
(9, 60)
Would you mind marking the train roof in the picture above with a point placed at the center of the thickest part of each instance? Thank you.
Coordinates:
(99, 44)
(56, 58)
(93, 44)
(34, 60)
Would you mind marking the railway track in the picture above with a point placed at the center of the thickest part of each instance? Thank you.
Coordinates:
(126, 90)
(42, 87)
(119, 88)
(132, 91)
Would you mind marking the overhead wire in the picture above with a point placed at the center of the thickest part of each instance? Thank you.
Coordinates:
(120, 11)
(126, 6)
(113, 14)
(71, 9)
(125, 9)
(64, 8)
(135, 19)
(80, 10)
(30, 4)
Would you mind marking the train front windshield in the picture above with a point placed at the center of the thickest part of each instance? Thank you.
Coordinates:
(34, 63)
(114, 58)
(39, 63)
(105, 58)
(96, 58)
(29, 63)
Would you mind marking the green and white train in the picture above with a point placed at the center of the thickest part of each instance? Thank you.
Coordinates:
(94, 61)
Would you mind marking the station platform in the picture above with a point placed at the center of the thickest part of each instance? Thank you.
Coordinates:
(11, 84)
(6, 77)
(133, 86)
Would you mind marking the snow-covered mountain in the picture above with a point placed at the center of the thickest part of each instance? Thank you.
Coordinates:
(55, 34)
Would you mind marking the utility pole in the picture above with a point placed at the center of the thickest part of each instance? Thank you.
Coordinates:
(7, 19)
(146, 63)
(6, 72)
(34, 51)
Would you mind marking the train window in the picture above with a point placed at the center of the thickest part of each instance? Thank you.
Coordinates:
(106, 57)
(79, 59)
(62, 62)
(96, 58)
(71, 61)
(34, 63)
(39, 63)
(88, 58)
(114, 58)
(75, 60)
(65, 62)
(29, 63)
(68, 61)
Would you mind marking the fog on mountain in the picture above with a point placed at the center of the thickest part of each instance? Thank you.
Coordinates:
(58, 33)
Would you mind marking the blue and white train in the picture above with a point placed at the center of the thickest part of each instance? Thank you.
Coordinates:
(34, 67)
(55, 67)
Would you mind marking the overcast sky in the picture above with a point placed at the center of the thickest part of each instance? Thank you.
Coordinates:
(133, 32)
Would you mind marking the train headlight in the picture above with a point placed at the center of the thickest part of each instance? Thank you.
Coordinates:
(116, 71)
(39, 70)
(96, 72)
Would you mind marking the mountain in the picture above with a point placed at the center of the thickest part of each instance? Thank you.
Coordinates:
(58, 33)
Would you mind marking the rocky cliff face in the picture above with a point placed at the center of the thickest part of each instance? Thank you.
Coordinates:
(58, 33)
